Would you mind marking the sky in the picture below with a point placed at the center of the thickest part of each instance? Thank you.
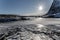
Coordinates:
(24, 7)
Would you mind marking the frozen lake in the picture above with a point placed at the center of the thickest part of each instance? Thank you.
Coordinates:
(47, 21)
(39, 28)
(43, 21)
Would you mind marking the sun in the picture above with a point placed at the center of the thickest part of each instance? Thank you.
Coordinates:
(40, 8)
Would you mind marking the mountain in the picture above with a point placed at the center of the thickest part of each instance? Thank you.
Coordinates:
(54, 11)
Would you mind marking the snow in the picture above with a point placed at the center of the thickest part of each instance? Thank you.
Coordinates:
(41, 29)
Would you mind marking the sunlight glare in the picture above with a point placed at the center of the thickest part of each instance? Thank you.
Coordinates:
(40, 8)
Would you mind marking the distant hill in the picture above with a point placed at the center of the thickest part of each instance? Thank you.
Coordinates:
(9, 18)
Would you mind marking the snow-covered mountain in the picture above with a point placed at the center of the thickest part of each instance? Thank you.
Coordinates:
(54, 10)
